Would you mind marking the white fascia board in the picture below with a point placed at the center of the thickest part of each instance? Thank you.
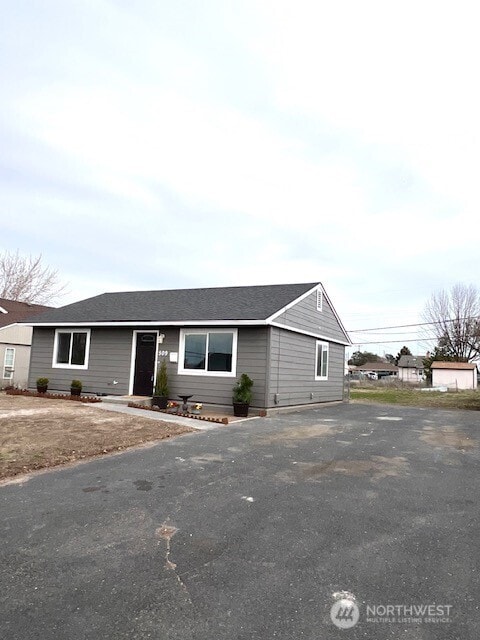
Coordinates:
(9, 326)
(294, 302)
(318, 336)
(317, 287)
(154, 323)
(337, 317)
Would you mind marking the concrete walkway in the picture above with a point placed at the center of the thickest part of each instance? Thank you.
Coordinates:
(200, 425)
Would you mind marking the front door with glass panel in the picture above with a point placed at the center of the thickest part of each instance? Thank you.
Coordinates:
(144, 372)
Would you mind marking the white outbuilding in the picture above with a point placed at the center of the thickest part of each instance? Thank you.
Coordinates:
(454, 375)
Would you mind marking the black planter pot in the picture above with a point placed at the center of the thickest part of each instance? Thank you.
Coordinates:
(75, 391)
(160, 402)
(240, 409)
(42, 388)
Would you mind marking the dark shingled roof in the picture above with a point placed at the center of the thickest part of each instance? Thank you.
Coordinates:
(413, 362)
(377, 366)
(180, 305)
(18, 311)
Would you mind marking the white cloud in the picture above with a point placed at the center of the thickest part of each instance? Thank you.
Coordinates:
(398, 76)
(256, 142)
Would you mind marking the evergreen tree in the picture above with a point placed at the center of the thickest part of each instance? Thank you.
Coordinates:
(404, 351)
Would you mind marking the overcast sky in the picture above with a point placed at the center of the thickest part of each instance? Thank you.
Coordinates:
(155, 144)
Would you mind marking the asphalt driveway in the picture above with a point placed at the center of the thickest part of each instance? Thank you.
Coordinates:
(248, 530)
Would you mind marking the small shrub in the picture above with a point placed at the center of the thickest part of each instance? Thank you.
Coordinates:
(242, 390)
(161, 384)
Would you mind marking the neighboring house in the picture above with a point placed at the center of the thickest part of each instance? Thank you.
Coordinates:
(378, 369)
(15, 341)
(410, 368)
(287, 338)
(454, 375)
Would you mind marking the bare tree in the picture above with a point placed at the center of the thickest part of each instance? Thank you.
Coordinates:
(26, 279)
(454, 318)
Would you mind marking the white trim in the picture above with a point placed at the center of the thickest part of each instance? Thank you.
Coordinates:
(152, 323)
(13, 324)
(319, 336)
(2, 310)
(11, 367)
(337, 318)
(202, 372)
(293, 303)
(55, 364)
(317, 287)
(132, 363)
(327, 351)
(219, 323)
(133, 358)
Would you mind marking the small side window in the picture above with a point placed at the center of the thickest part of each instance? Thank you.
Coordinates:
(321, 361)
(8, 363)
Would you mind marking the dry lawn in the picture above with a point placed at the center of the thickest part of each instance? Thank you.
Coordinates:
(414, 398)
(36, 433)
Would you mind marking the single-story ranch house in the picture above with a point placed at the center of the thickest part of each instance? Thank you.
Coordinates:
(287, 338)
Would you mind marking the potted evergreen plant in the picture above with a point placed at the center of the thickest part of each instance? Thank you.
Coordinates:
(75, 388)
(160, 393)
(242, 396)
(42, 385)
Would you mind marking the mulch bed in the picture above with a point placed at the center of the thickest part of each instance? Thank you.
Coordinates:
(51, 396)
(134, 405)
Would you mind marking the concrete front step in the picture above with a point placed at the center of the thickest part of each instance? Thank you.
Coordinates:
(146, 400)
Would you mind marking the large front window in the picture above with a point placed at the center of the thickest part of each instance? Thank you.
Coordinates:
(71, 349)
(208, 352)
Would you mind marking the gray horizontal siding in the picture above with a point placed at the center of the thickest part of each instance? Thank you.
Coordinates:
(110, 359)
(292, 370)
(305, 315)
(251, 359)
(290, 374)
(110, 353)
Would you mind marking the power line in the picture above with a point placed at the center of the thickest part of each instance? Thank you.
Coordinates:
(393, 341)
(398, 326)
(396, 333)
(418, 324)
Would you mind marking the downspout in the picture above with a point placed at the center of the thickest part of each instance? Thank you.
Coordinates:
(268, 368)
(277, 394)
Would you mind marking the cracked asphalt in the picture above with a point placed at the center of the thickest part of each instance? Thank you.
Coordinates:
(247, 531)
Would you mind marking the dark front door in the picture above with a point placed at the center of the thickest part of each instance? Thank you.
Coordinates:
(144, 364)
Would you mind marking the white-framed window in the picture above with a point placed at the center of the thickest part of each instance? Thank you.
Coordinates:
(321, 361)
(9, 363)
(319, 300)
(208, 352)
(71, 349)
